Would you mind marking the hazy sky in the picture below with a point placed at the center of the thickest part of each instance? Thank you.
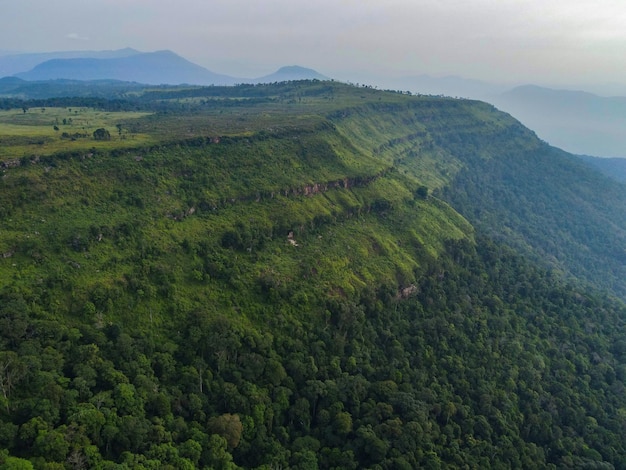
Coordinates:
(539, 41)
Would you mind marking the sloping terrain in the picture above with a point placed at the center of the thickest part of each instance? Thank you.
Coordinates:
(614, 168)
(275, 279)
(550, 206)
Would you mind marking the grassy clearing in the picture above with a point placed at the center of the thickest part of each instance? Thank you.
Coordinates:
(45, 131)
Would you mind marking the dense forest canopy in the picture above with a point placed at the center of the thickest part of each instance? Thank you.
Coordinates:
(304, 275)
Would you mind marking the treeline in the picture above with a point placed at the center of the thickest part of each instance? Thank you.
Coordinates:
(70, 102)
(486, 363)
(150, 102)
(113, 96)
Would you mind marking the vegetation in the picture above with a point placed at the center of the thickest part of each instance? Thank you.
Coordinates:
(568, 216)
(270, 276)
(28, 132)
(612, 167)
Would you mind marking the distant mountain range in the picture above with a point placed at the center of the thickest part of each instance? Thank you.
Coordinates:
(575, 121)
(12, 64)
(151, 68)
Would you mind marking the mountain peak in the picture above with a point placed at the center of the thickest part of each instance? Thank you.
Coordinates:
(294, 68)
(152, 68)
(291, 72)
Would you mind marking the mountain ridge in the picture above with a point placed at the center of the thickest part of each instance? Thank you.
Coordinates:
(14, 63)
(154, 68)
(305, 275)
(581, 122)
(151, 68)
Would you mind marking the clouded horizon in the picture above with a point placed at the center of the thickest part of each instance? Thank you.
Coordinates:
(503, 41)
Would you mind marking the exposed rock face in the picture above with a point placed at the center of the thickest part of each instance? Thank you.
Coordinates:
(407, 292)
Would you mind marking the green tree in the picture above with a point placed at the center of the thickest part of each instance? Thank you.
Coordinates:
(101, 134)
(52, 445)
(343, 423)
(15, 463)
(12, 371)
(217, 455)
(228, 426)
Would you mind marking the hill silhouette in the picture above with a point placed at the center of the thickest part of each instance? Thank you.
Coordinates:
(161, 67)
(11, 64)
(154, 68)
(293, 72)
(576, 121)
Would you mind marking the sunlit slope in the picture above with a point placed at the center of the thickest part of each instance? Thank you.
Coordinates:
(298, 214)
(502, 178)
(349, 172)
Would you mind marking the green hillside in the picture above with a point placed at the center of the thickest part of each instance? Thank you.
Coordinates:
(280, 276)
(550, 206)
(612, 167)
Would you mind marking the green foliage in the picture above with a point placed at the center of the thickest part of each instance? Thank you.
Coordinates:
(63, 129)
(101, 134)
(275, 282)
(14, 463)
(548, 205)
(228, 426)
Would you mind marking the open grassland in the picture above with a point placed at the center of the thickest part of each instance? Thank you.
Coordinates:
(46, 130)
(247, 109)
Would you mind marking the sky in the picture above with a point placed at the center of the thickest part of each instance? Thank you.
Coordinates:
(548, 42)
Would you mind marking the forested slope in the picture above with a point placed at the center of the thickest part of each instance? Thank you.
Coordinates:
(270, 282)
(551, 206)
(612, 167)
